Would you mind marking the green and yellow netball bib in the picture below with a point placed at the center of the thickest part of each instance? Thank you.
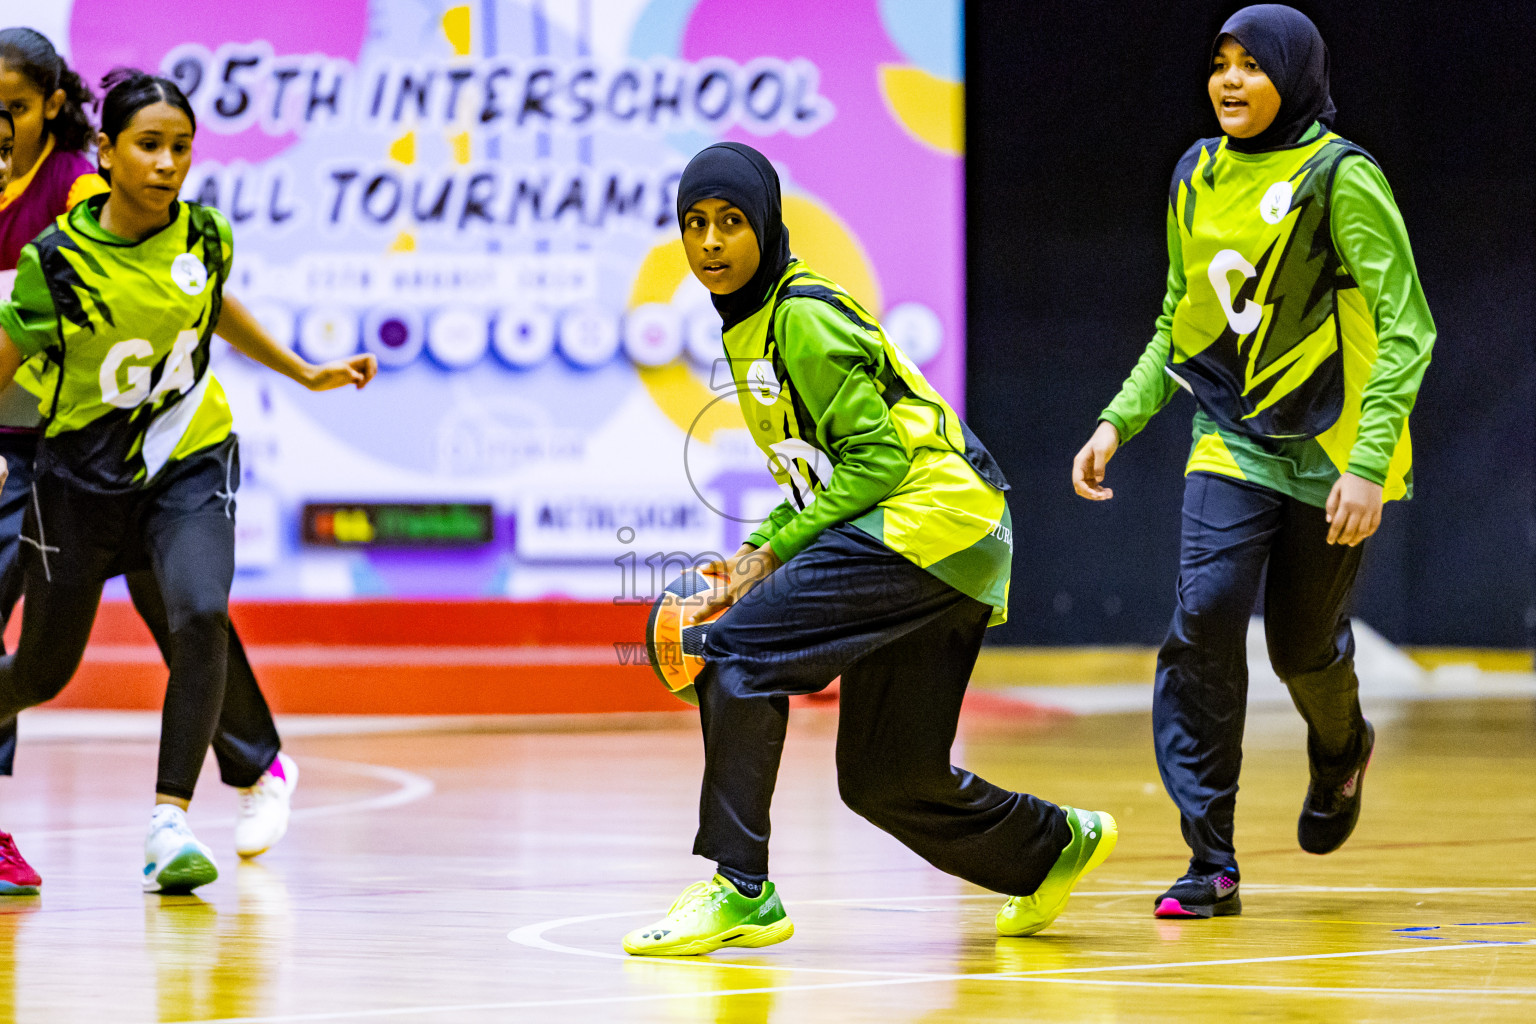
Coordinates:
(814, 372)
(1260, 335)
(125, 328)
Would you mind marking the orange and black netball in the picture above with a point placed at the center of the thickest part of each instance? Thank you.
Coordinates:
(676, 649)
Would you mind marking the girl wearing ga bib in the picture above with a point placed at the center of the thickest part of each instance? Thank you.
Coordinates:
(138, 465)
(1295, 317)
(51, 173)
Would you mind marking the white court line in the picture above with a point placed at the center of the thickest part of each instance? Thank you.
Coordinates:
(1407, 993)
(907, 978)
(402, 1011)
(1410, 890)
(1156, 887)
(533, 935)
(410, 787)
(1153, 888)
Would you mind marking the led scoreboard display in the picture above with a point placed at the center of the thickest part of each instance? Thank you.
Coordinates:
(382, 524)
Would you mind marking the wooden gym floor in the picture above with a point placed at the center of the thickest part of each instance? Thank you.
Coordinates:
(481, 877)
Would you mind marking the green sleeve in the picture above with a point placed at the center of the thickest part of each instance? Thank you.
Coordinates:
(226, 237)
(832, 363)
(1370, 238)
(1149, 387)
(28, 318)
(772, 525)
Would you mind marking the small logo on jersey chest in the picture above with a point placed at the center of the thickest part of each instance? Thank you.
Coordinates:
(1276, 202)
(189, 274)
(762, 382)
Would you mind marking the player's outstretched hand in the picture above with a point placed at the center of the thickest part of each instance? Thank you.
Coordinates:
(744, 570)
(1354, 510)
(1088, 467)
(358, 370)
(5, 471)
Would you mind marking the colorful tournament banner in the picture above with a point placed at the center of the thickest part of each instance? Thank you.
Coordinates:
(483, 196)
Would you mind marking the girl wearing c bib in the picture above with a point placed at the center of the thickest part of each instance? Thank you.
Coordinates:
(1295, 317)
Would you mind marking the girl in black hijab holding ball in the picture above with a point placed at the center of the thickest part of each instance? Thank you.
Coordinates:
(884, 565)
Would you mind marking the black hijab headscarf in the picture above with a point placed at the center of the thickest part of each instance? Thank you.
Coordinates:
(744, 178)
(1292, 53)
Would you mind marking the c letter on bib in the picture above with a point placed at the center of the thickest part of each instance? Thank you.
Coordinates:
(1247, 319)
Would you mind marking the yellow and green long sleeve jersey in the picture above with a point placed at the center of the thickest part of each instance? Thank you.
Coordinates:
(1293, 313)
(124, 328)
(853, 433)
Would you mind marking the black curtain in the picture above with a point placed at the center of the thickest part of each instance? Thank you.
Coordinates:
(1076, 114)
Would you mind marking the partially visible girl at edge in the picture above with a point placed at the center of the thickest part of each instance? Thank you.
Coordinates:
(52, 173)
(137, 466)
(1295, 316)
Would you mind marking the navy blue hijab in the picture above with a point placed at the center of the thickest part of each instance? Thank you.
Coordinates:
(744, 178)
(1292, 53)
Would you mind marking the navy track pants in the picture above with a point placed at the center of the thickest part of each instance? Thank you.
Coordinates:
(1231, 529)
(904, 643)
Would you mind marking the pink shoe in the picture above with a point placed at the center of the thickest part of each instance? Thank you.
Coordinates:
(16, 876)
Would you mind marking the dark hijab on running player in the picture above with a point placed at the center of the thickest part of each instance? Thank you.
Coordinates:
(1292, 53)
(743, 177)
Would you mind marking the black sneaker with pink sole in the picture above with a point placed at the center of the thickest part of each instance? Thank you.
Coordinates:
(1201, 894)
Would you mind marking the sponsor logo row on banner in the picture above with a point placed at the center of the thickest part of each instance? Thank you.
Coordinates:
(522, 337)
(588, 336)
(524, 308)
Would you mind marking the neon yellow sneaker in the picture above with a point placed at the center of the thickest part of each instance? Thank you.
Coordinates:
(1094, 835)
(712, 915)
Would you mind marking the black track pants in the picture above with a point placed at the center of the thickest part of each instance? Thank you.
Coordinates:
(1231, 529)
(183, 526)
(904, 643)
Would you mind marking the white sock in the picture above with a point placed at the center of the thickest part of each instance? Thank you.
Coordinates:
(164, 811)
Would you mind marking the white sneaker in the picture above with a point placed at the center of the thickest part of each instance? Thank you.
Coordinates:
(174, 861)
(264, 810)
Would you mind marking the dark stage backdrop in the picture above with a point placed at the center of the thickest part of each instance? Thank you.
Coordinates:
(1076, 114)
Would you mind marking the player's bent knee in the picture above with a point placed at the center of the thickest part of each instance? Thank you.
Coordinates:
(880, 794)
(863, 795)
(1211, 612)
(200, 616)
(1292, 660)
